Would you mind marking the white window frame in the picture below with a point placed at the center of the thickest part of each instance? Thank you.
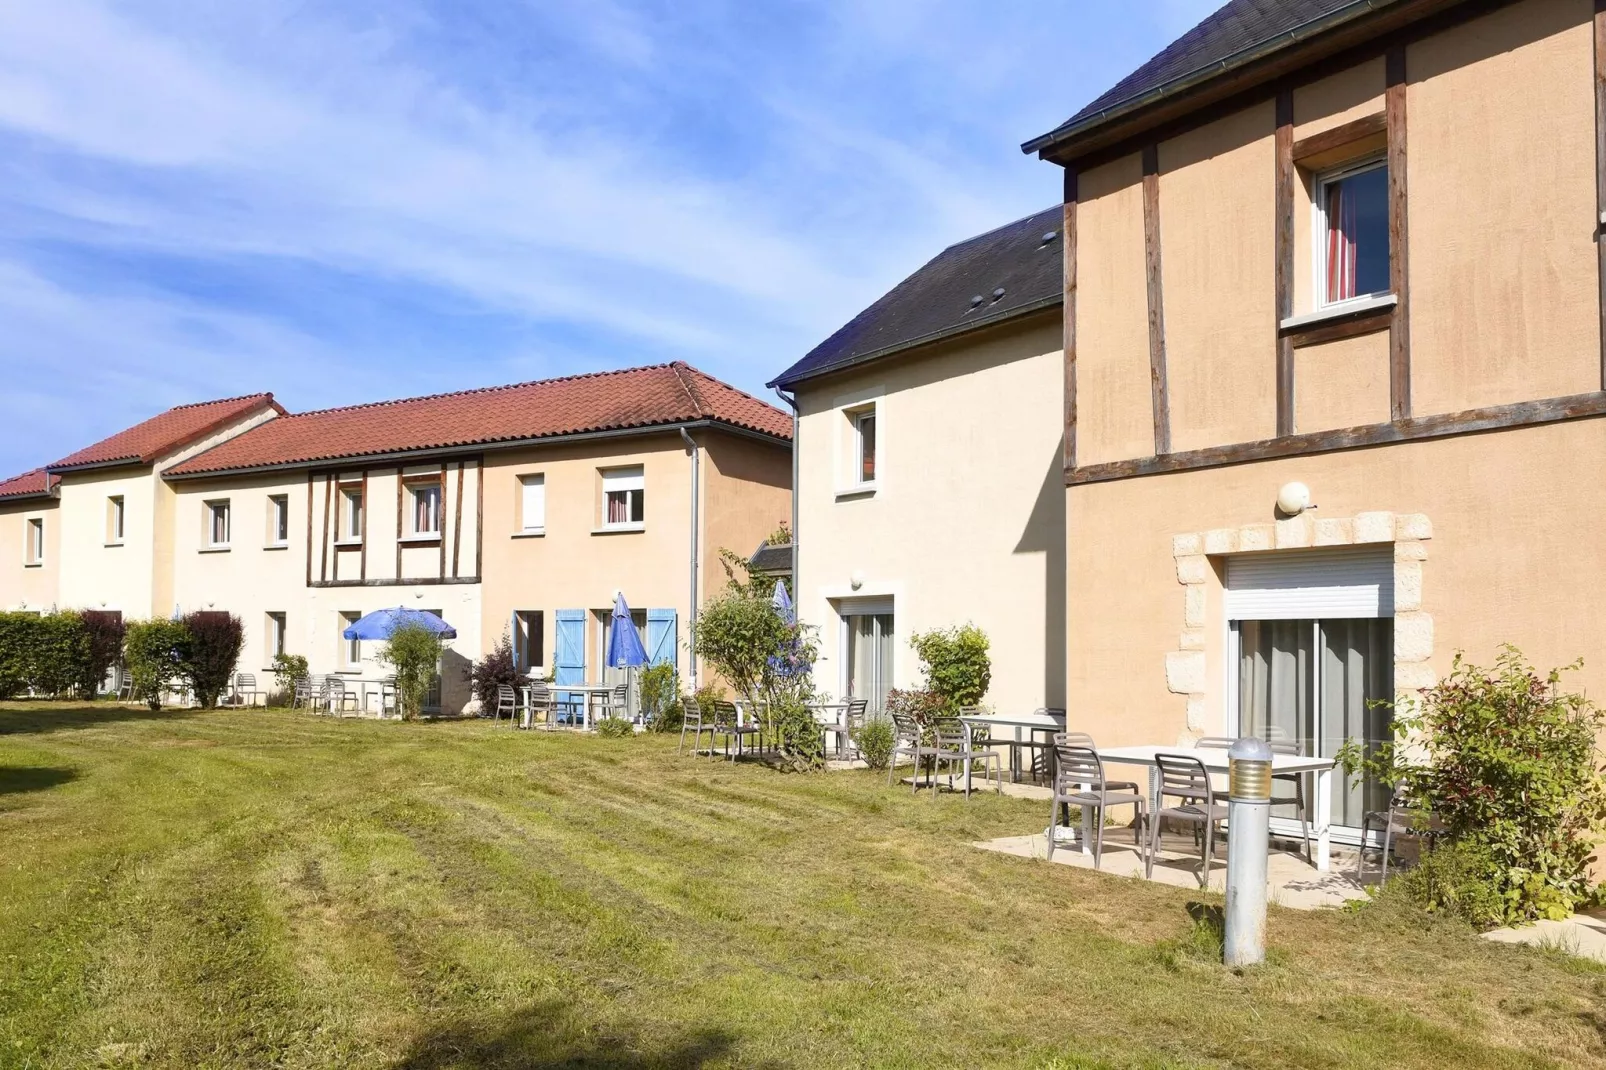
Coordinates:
(628, 480)
(350, 649)
(278, 627)
(1319, 185)
(115, 519)
(859, 419)
(349, 530)
(278, 510)
(536, 482)
(33, 542)
(847, 449)
(415, 491)
(214, 508)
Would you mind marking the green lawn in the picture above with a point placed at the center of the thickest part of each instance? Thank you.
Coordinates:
(273, 889)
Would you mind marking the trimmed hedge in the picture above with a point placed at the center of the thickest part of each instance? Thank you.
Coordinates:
(50, 654)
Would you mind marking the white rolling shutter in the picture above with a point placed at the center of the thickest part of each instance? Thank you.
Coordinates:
(1311, 584)
(866, 607)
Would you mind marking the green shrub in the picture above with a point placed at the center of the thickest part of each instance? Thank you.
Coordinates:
(798, 733)
(615, 727)
(414, 652)
(956, 664)
(16, 642)
(706, 696)
(1454, 880)
(875, 741)
(493, 670)
(660, 698)
(215, 640)
(287, 669)
(1507, 761)
(155, 653)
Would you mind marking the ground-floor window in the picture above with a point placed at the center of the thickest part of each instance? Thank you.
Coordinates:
(1318, 683)
(869, 639)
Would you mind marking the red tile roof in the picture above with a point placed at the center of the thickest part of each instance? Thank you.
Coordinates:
(605, 401)
(34, 484)
(180, 426)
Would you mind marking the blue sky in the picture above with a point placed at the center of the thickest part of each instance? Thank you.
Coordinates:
(362, 199)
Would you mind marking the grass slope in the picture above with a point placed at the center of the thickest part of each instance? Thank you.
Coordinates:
(257, 888)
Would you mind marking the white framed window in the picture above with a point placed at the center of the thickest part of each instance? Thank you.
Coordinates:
(624, 498)
(349, 528)
(864, 425)
(529, 639)
(114, 520)
(426, 510)
(275, 630)
(532, 504)
(34, 546)
(217, 524)
(1352, 233)
(278, 520)
(350, 649)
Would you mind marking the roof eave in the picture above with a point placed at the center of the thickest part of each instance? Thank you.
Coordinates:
(462, 448)
(785, 382)
(1325, 35)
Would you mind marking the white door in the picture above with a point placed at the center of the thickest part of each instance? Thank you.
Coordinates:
(869, 642)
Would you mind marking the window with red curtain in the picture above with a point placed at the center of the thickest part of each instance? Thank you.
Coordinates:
(1355, 249)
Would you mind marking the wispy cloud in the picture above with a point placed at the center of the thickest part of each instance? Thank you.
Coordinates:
(209, 199)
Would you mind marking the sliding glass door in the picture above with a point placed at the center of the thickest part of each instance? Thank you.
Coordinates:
(870, 645)
(1317, 683)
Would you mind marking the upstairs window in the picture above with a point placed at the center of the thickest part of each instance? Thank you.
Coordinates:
(34, 550)
(114, 520)
(1352, 212)
(217, 524)
(350, 528)
(426, 508)
(278, 520)
(624, 498)
(864, 446)
(532, 504)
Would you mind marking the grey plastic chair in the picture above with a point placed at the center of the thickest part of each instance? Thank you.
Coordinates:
(954, 747)
(694, 722)
(245, 689)
(1402, 818)
(1079, 781)
(727, 722)
(506, 702)
(1185, 778)
(542, 704)
(906, 741)
(1296, 798)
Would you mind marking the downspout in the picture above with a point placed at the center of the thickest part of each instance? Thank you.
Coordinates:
(696, 486)
(792, 403)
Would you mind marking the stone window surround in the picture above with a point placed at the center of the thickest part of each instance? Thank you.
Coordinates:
(1186, 668)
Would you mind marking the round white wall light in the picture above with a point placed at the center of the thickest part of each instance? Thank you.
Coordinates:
(1293, 499)
(856, 580)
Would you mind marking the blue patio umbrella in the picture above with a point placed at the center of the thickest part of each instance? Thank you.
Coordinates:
(624, 643)
(381, 622)
(783, 603)
(790, 661)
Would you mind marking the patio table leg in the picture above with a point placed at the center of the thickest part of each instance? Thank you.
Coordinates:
(1324, 811)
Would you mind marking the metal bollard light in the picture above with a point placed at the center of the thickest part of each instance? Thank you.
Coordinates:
(1248, 811)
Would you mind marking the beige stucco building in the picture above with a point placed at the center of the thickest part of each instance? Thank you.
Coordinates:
(520, 510)
(30, 542)
(1355, 252)
(929, 489)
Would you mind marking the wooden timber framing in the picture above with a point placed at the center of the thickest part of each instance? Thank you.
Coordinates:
(1159, 390)
(1362, 129)
(1399, 235)
(479, 515)
(427, 581)
(401, 491)
(362, 559)
(457, 524)
(1334, 331)
(1411, 429)
(309, 527)
(1069, 253)
(328, 492)
(440, 531)
(1284, 250)
(1600, 172)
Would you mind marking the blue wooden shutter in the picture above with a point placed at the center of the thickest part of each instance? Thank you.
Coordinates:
(569, 661)
(661, 636)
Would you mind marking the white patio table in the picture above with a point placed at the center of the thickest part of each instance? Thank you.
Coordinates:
(1215, 760)
(832, 717)
(1045, 722)
(587, 692)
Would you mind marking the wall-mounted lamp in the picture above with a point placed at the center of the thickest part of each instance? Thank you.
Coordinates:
(1293, 499)
(856, 580)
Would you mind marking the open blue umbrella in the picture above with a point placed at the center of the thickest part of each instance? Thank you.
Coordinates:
(381, 622)
(624, 643)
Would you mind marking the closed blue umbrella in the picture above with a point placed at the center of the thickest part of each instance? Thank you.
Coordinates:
(381, 622)
(624, 643)
(783, 603)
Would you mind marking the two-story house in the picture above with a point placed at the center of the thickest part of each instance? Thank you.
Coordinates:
(930, 491)
(520, 509)
(1353, 247)
(30, 543)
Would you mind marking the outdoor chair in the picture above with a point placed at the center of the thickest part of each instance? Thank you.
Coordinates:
(506, 702)
(1079, 780)
(125, 687)
(336, 698)
(302, 692)
(906, 739)
(1402, 818)
(727, 721)
(1295, 797)
(1082, 739)
(692, 721)
(1041, 745)
(1185, 778)
(955, 747)
(853, 717)
(245, 689)
(540, 706)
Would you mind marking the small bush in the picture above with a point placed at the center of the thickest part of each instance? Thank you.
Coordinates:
(414, 652)
(287, 669)
(105, 632)
(797, 730)
(1454, 880)
(660, 698)
(493, 670)
(216, 639)
(615, 727)
(956, 664)
(875, 741)
(155, 653)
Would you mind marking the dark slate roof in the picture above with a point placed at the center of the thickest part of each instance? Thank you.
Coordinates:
(1238, 31)
(772, 560)
(938, 301)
